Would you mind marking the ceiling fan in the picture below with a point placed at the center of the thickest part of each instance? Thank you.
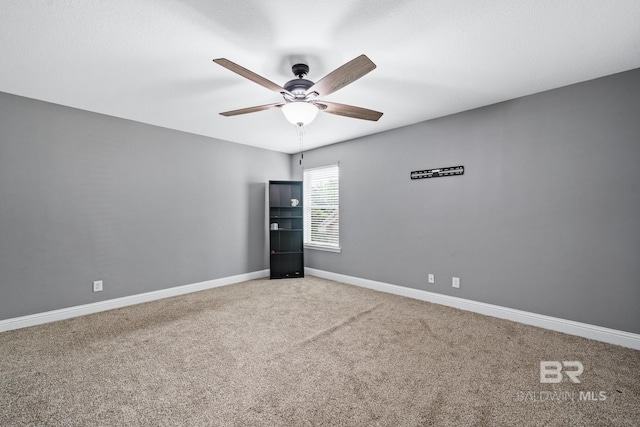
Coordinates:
(301, 96)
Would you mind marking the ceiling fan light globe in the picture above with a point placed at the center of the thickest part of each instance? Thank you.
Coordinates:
(299, 112)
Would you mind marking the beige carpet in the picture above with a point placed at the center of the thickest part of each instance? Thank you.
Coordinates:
(304, 352)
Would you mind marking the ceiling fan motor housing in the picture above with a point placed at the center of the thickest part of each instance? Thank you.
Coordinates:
(300, 85)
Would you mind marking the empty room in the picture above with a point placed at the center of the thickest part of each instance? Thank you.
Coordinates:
(353, 213)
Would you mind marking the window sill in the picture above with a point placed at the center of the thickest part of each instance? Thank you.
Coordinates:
(323, 248)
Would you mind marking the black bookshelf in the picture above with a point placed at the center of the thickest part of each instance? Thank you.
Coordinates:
(286, 229)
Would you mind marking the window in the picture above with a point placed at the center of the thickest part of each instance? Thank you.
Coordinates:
(321, 213)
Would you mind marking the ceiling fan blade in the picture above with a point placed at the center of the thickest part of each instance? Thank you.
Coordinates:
(251, 75)
(349, 111)
(251, 109)
(342, 76)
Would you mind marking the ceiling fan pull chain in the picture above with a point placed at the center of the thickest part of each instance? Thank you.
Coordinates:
(300, 130)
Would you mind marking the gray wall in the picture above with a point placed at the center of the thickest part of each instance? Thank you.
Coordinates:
(545, 219)
(85, 197)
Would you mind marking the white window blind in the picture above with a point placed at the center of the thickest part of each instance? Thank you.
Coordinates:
(321, 207)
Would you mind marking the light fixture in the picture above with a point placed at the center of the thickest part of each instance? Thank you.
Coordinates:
(300, 112)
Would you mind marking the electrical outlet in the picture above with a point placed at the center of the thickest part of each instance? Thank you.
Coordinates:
(97, 286)
(455, 282)
(432, 278)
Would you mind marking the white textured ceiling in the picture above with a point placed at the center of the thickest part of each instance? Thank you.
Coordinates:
(151, 60)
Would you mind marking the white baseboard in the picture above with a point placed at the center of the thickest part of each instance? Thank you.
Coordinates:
(81, 310)
(598, 333)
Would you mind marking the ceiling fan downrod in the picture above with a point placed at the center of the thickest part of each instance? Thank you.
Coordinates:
(300, 70)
